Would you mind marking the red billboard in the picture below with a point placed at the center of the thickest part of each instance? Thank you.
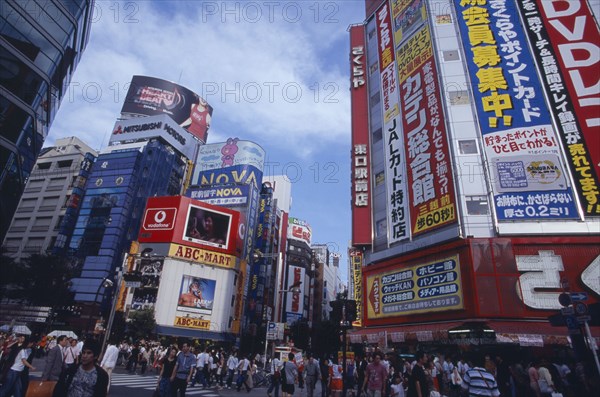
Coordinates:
(189, 222)
(574, 35)
(361, 176)
(432, 200)
(497, 278)
(149, 96)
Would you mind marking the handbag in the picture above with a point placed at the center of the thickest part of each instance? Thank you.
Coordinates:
(41, 388)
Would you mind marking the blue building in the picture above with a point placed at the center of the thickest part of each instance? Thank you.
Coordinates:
(41, 43)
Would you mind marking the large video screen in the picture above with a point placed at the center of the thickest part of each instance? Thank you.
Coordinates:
(207, 227)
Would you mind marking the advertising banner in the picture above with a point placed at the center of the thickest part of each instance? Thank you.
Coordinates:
(207, 227)
(408, 16)
(189, 322)
(295, 301)
(237, 174)
(226, 196)
(299, 230)
(395, 170)
(357, 260)
(233, 152)
(361, 179)
(202, 256)
(196, 295)
(425, 288)
(521, 147)
(432, 199)
(571, 85)
(149, 96)
(141, 129)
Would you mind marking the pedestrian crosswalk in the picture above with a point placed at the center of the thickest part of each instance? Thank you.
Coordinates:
(149, 382)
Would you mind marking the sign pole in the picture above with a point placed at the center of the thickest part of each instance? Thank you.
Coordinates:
(588, 334)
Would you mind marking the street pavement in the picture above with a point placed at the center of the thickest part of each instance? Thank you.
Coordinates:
(124, 384)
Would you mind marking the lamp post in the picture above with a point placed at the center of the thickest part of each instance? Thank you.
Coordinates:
(106, 283)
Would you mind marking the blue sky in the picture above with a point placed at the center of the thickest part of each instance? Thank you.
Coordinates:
(276, 73)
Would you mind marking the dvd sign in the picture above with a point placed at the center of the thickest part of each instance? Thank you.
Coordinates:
(160, 218)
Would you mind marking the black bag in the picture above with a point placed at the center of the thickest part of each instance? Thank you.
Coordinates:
(283, 376)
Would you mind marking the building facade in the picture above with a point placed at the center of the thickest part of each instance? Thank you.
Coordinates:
(51, 199)
(41, 43)
(474, 164)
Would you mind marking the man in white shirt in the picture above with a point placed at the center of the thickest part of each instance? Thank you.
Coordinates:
(243, 367)
(232, 364)
(109, 361)
(275, 377)
(71, 354)
(201, 363)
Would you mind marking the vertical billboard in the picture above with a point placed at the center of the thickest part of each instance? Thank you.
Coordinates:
(149, 96)
(395, 160)
(361, 165)
(568, 61)
(295, 301)
(408, 15)
(196, 295)
(356, 260)
(432, 199)
(528, 177)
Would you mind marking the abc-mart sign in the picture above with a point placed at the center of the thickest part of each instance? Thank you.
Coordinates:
(144, 128)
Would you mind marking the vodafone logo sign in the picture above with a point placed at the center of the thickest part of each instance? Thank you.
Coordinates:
(159, 218)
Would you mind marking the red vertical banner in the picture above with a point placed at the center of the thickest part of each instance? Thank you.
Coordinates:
(361, 169)
(432, 199)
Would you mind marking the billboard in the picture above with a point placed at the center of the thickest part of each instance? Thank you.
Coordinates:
(196, 295)
(520, 144)
(227, 196)
(149, 96)
(356, 260)
(395, 160)
(361, 178)
(295, 301)
(207, 226)
(432, 200)
(408, 15)
(569, 84)
(142, 129)
(193, 223)
(233, 152)
(299, 230)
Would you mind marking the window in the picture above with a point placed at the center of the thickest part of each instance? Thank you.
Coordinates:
(44, 166)
(477, 205)
(65, 163)
(379, 178)
(458, 97)
(467, 146)
(375, 99)
(381, 228)
(451, 55)
(377, 135)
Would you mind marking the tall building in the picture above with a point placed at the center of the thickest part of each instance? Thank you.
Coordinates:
(46, 214)
(475, 167)
(41, 43)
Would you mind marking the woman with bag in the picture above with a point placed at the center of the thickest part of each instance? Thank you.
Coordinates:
(545, 380)
(163, 388)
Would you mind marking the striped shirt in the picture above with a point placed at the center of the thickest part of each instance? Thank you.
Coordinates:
(480, 383)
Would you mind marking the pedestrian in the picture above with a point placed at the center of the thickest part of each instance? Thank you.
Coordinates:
(201, 368)
(55, 360)
(166, 373)
(134, 357)
(361, 367)
(184, 368)
(397, 387)
(324, 367)
(86, 379)
(13, 385)
(289, 376)
(243, 369)
(417, 384)
(313, 374)
(221, 369)
(232, 363)
(71, 354)
(275, 377)
(109, 361)
(375, 377)
(480, 382)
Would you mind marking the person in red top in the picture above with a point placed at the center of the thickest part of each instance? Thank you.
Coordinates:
(375, 376)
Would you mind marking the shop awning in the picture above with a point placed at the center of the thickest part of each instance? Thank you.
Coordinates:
(525, 333)
(195, 334)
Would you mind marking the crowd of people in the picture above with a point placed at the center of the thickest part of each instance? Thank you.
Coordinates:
(79, 370)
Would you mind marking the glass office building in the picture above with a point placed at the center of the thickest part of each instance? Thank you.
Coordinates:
(41, 42)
